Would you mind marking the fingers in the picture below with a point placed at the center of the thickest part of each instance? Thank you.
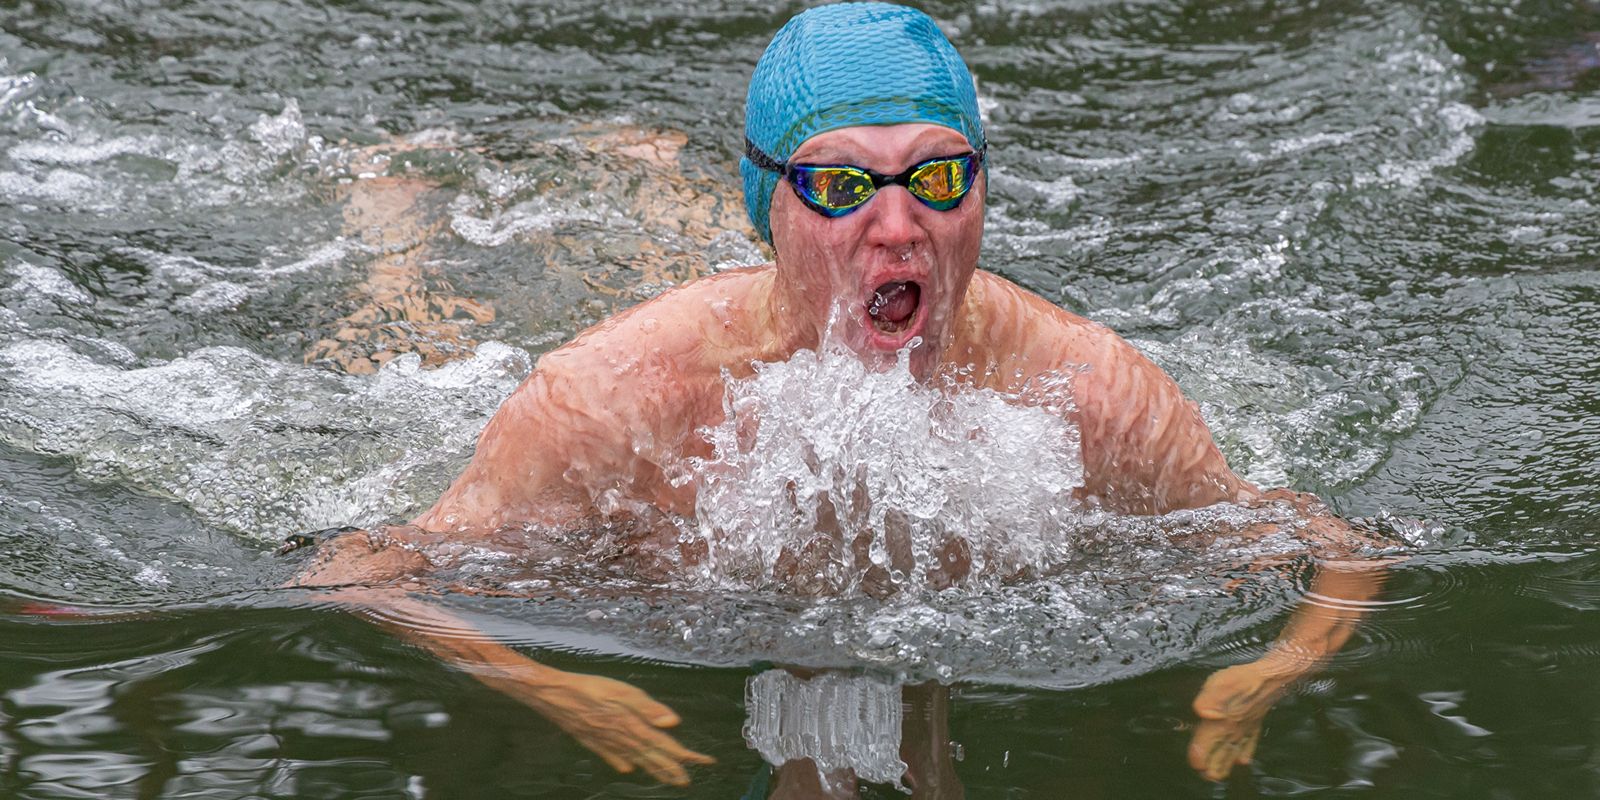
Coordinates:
(1219, 744)
(1218, 747)
(634, 701)
(628, 735)
(654, 712)
(1247, 749)
(618, 722)
(659, 755)
(664, 768)
(1230, 706)
(613, 760)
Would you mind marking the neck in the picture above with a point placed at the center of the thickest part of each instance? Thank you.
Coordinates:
(965, 345)
(787, 322)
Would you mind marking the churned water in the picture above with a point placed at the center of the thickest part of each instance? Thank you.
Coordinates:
(269, 267)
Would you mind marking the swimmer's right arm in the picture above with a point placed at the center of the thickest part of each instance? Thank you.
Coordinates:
(615, 720)
(519, 474)
(515, 473)
(618, 722)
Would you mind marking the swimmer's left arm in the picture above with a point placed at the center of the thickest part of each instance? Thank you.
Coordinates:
(1233, 702)
(1146, 450)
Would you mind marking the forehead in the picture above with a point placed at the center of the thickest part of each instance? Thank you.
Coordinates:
(885, 147)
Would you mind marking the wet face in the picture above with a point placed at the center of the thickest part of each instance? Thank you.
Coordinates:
(891, 272)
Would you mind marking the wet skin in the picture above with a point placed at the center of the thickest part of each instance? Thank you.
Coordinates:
(592, 433)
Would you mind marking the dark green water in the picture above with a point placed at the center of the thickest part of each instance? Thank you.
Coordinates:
(1365, 236)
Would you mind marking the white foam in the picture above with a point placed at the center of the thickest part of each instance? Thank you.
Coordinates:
(248, 442)
(190, 270)
(281, 134)
(1577, 112)
(13, 88)
(1299, 144)
(77, 154)
(213, 297)
(1458, 120)
(321, 256)
(1056, 194)
(911, 467)
(35, 282)
(1102, 163)
(58, 187)
(502, 227)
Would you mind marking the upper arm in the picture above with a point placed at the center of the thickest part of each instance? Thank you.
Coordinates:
(518, 472)
(1145, 447)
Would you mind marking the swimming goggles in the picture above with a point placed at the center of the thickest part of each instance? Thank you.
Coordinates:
(834, 190)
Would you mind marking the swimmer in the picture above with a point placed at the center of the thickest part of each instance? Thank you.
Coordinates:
(865, 169)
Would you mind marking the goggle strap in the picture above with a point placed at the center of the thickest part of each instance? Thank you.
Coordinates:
(762, 160)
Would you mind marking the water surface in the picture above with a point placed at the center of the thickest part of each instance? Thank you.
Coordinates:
(1362, 235)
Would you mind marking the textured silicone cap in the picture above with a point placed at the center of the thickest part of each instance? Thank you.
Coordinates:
(844, 65)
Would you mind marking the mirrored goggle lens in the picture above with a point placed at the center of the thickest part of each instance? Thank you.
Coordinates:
(942, 184)
(833, 189)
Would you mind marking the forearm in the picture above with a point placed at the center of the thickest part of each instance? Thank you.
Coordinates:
(615, 720)
(1233, 701)
(450, 639)
(1349, 576)
(362, 568)
(1340, 594)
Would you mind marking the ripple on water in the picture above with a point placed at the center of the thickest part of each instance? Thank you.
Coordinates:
(1572, 584)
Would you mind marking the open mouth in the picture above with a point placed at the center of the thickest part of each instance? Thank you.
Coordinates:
(894, 306)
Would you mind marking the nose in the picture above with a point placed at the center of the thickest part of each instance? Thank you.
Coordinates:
(893, 223)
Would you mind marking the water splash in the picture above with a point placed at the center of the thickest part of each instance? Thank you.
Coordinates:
(827, 474)
(244, 440)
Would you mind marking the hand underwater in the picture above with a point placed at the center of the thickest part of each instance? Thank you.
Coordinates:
(1233, 701)
(1231, 706)
(618, 722)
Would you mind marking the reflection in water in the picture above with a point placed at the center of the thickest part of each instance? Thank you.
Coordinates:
(826, 733)
(846, 726)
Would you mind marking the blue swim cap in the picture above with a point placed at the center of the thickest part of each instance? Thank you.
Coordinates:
(844, 65)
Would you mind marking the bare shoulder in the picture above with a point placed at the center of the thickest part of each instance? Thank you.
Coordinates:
(604, 412)
(1023, 333)
(684, 331)
(1146, 448)
(652, 373)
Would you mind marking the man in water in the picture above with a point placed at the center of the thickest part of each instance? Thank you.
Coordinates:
(865, 169)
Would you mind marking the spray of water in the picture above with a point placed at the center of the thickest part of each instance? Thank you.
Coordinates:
(828, 478)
